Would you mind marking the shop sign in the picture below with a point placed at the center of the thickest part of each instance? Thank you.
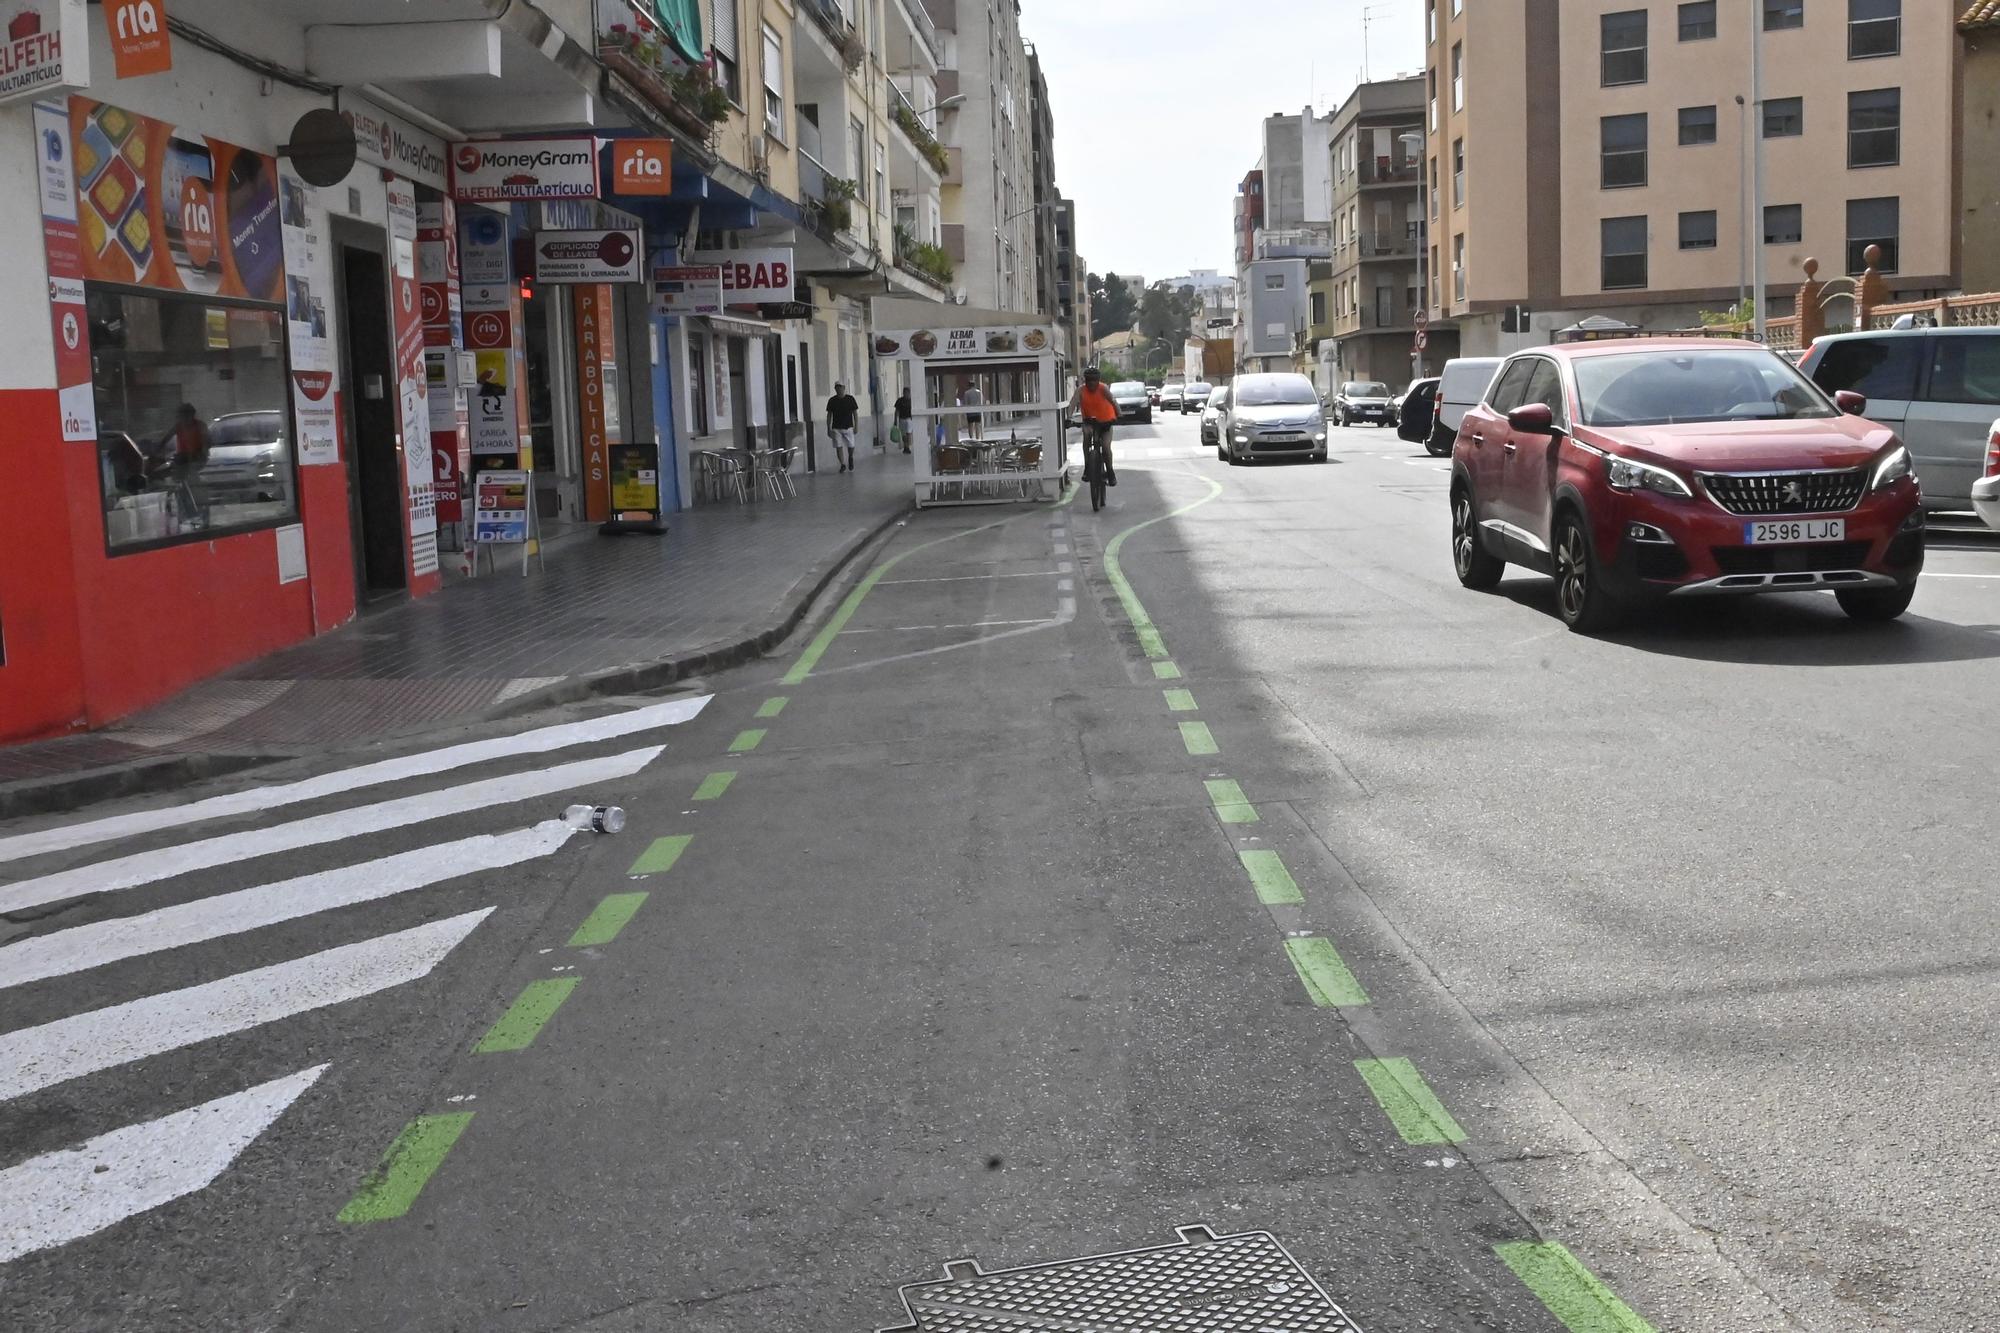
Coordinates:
(488, 296)
(635, 481)
(593, 309)
(498, 170)
(139, 41)
(642, 166)
(963, 344)
(46, 48)
(308, 279)
(412, 397)
(785, 310)
(751, 276)
(688, 289)
(160, 207)
(68, 315)
(381, 140)
(500, 507)
(440, 308)
(595, 256)
(483, 260)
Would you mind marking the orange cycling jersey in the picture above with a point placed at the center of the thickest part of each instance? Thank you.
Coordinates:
(1097, 404)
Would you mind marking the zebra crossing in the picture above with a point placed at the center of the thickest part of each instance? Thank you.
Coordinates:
(63, 1195)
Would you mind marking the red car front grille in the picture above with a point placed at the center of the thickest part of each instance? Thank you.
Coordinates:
(1786, 492)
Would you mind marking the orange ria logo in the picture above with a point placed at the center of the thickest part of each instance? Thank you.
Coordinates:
(139, 41)
(643, 166)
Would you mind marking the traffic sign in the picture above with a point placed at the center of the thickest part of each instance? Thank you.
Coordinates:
(1423, 340)
(1423, 317)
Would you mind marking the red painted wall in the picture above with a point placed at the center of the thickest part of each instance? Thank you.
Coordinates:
(41, 681)
(323, 508)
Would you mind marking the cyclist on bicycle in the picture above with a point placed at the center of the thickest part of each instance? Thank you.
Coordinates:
(1093, 402)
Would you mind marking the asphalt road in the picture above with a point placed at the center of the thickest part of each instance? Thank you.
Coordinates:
(1211, 859)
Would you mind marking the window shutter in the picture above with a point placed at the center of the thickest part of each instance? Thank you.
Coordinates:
(724, 28)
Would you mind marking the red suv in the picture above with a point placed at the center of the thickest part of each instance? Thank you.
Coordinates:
(1681, 467)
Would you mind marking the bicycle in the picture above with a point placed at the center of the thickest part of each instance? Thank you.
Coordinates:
(1094, 436)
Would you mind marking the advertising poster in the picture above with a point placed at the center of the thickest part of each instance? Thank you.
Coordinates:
(500, 507)
(593, 308)
(442, 308)
(45, 48)
(76, 399)
(488, 296)
(168, 208)
(688, 289)
(308, 280)
(413, 395)
(140, 44)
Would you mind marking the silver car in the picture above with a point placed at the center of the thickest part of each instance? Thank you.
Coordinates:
(1211, 416)
(1272, 416)
(1936, 388)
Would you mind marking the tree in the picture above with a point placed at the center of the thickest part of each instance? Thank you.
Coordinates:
(1113, 307)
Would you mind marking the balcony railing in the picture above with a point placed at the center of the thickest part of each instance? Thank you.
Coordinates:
(839, 29)
(1388, 171)
(920, 23)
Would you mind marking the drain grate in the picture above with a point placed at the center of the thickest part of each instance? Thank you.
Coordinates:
(1204, 1283)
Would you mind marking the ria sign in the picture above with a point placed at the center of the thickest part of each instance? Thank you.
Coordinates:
(642, 166)
(502, 170)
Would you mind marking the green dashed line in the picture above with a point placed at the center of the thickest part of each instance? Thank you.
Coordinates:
(1231, 805)
(393, 1186)
(1197, 738)
(1571, 1291)
(1150, 641)
(773, 707)
(713, 786)
(1325, 976)
(747, 741)
(1166, 671)
(527, 1016)
(659, 858)
(607, 919)
(1275, 885)
(1409, 1102)
(1180, 701)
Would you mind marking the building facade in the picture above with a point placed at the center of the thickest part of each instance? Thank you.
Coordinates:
(1053, 221)
(985, 125)
(1616, 181)
(1979, 158)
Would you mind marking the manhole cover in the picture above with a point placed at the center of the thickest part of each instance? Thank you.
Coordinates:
(1204, 1283)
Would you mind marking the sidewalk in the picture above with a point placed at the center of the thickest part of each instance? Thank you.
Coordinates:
(607, 614)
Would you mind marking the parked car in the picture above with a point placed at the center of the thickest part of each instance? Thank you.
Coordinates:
(1195, 396)
(1272, 415)
(1936, 388)
(1649, 468)
(1415, 411)
(1133, 405)
(1986, 491)
(1460, 387)
(1211, 416)
(1170, 398)
(1362, 400)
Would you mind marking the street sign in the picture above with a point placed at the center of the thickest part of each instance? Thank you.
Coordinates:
(1423, 317)
(1423, 339)
(588, 256)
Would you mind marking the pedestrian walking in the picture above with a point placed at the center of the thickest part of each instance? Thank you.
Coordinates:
(843, 414)
(971, 399)
(904, 419)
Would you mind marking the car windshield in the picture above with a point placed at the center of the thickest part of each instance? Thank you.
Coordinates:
(1366, 389)
(1662, 387)
(1276, 391)
(1128, 389)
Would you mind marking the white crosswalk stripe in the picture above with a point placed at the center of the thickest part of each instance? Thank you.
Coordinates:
(64, 1195)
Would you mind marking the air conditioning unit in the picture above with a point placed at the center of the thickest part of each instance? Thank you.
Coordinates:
(760, 151)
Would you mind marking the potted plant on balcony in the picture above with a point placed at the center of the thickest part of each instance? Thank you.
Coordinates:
(836, 207)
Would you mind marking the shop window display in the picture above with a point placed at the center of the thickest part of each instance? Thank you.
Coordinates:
(194, 438)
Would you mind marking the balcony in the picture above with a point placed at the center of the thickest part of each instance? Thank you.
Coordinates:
(839, 29)
(911, 36)
(1392, 243)
(921, 146)
(829, 199)
(1296, 243)
(1388, 171)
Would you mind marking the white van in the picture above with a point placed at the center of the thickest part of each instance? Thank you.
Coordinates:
(1461, 388)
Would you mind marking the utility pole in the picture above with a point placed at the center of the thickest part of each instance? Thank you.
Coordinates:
(1757, 169)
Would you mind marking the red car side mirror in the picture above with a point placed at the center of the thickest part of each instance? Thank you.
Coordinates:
(1533, 419)
(1850, 402)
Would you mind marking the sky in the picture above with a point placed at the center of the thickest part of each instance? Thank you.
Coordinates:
(1137, 85)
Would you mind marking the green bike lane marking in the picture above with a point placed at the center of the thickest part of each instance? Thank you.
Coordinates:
(747, 741)
(1274, 884)
(659, 858)
(1166, 671)
(1198, 739)
(524, 1020)
(714, 785)
(607, 919)
(1323, 973)
(1409, 1102)
(1135, 610)
(393, 1186)
(1571, 1292)
(1233, 807)
(1180, 701)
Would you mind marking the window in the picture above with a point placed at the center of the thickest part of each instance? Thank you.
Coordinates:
(1881, 369)
(1274, 282)
(724, 49)
(1458, 76)
(1784, 224)
(1457, 7)
(1784, 117)
(1698, 230)
(1964, 368)
(1510, 387)
(1458, 173)
(857, 161)
(1545, 385)
(193, 436)
(1873, 222)
(1723, 383)
(1697, 125)
(1784, 14)
(1434, 189)
(1698, 21)
(1622, 43)
(1622, 151)
(881, 175)
(774, 85)
(1430, 20)
(1431, 80)
(1875, 128)
(1874, 28)
(1458, 266)
(1624, 246)
(698, 389)
(1319, 307)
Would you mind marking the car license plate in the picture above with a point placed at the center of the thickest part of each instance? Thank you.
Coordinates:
(1781, 531)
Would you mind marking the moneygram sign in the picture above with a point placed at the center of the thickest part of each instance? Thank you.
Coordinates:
(502, 170)
(381, 140)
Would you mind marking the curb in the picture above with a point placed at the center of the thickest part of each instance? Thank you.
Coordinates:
(35, 796)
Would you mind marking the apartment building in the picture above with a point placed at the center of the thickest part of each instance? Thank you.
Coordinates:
(1283, 220)
(1979, 158)
(1053, 217)
(1589, 156)
(984, 123)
